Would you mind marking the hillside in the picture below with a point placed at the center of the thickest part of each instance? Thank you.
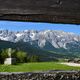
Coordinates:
(31, 50)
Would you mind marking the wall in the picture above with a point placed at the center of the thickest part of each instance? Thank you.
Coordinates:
(50, 75)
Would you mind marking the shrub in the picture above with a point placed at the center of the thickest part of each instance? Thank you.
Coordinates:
(34, 58)
(3, 55)
(21, 56)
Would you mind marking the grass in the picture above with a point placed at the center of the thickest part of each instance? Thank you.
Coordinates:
(42, 66)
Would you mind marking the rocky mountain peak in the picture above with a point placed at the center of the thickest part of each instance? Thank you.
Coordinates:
(57, 39)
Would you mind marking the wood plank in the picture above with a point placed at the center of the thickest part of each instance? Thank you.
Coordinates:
(59, 11)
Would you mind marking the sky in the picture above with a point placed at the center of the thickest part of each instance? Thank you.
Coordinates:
(20, 26)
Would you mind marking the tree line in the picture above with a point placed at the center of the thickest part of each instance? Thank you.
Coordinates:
(21, 56)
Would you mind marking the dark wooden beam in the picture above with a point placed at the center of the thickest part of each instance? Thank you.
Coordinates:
(59, 11)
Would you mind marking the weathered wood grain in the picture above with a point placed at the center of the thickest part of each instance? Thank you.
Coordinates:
(59, 11)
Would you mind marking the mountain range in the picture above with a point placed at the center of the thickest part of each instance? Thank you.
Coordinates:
(48, 43)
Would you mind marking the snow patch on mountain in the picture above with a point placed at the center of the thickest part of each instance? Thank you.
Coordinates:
(57, 39)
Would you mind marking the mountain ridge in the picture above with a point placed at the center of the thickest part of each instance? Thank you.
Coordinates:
(58, 39)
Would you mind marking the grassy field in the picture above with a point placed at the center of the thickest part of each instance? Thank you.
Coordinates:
(42, 66)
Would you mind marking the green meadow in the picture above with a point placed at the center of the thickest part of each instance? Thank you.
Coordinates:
(40, 66)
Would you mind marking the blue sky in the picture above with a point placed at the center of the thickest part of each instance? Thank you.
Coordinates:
(19, 26)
